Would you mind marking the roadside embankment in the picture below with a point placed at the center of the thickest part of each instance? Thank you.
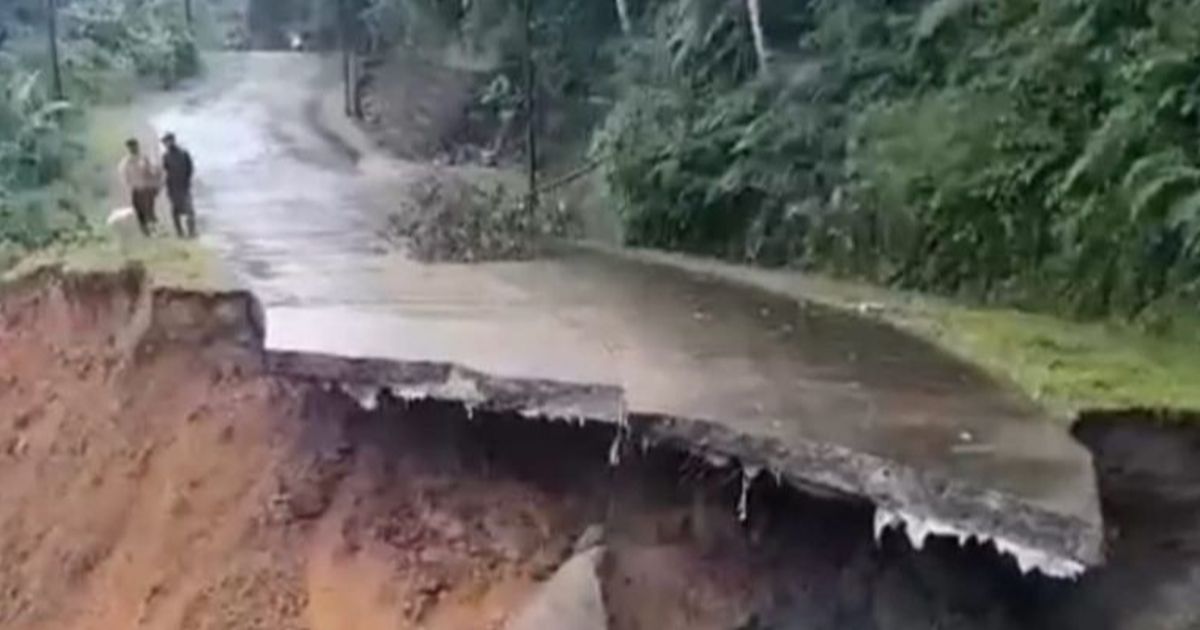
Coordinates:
(158, 474)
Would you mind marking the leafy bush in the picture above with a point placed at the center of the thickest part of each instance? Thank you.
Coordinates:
(1040, 152)
(447, 218)
(34, 153)
(114, 35)
(107, 45)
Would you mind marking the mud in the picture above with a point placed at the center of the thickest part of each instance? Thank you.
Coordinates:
(421, 110)
(154, 474)
(1148, 465)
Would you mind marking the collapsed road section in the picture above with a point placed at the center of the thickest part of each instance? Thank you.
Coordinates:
(820, 398)
(814, 396)
(156, 474)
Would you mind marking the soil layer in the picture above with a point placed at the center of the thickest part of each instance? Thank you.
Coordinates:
(153, 475)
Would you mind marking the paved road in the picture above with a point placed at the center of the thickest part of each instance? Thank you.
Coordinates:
(299, 220)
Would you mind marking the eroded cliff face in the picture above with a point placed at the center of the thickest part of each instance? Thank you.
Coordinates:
(155, 472)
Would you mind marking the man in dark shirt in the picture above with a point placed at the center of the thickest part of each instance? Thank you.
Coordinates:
(177, 165)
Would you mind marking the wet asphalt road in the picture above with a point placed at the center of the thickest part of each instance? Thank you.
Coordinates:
(299, 220)
(287, 209)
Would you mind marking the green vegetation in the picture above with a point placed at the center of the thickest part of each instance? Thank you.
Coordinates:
(1027, 154)
(170, 262)
(1026, 157)
(448, 217)
(1071, 366)
(48, 179)
(1038, 155)
(1032, 153)
(34, 154)
(1064, 364)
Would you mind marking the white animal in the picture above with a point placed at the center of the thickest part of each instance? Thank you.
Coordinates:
(124, 226)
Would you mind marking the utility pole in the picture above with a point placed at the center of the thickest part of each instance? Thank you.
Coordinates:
(344, 37)
(187, 13)
(530, 108)
(52, 31)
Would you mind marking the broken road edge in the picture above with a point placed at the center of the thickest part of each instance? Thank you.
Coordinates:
(920, 502)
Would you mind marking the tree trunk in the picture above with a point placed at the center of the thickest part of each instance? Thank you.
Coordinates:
(344, 39)
(52, 32)
(760, 40)
(623, 14)
(530, 109)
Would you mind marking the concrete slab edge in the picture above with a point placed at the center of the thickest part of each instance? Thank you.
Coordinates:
(921, 503)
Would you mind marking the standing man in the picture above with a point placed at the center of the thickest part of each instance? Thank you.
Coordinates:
(177, 164)
(141, 180)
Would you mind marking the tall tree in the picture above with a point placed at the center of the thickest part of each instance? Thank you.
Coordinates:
(530, 108)
(760, 39)
(52, 33)
(344, 40)
(623, 14)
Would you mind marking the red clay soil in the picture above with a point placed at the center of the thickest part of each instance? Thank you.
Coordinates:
(152, 477)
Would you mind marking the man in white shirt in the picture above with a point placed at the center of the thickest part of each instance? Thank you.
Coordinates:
(142, 180)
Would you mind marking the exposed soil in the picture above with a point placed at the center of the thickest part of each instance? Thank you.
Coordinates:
(420, 110)
(1149, 470)
(423, 110)
(153, 475)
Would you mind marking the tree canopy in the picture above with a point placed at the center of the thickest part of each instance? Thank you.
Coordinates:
(1037, 152)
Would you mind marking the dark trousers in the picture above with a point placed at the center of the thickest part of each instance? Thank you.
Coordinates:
(143, 206)
(183, 213)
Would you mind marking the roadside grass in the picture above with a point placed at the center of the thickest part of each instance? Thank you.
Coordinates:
(169, 261)
(1066, 366)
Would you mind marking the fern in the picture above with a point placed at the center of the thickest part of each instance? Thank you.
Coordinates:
(1184, 213)
(1144, 169)
(1017, 148)
(936, 14)
(1105, 150)
(1151, 201)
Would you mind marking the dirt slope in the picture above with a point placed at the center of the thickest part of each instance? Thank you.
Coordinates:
(166, 485)
(152, 475)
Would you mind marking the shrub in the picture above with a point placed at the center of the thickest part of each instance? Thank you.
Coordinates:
(1038, 152)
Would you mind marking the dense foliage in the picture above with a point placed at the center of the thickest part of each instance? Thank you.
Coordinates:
(1034, 151)
(34, 152)
(147, 40)
(1043, 151)
(107, 46)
